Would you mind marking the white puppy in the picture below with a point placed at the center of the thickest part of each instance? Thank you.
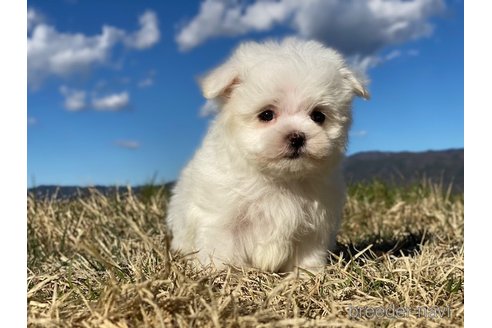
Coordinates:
(266, 189)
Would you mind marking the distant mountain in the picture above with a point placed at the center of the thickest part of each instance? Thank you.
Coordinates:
(399, 168)
(68, 192)
(442, 166)
(65, 192)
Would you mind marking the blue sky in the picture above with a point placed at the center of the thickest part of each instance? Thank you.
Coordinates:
(112, 93)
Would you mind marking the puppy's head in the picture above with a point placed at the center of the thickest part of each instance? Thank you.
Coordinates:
(285, 106)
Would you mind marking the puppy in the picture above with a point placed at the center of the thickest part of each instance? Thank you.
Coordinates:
(265, 189)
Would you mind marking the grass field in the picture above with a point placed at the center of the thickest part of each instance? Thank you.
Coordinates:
(103, 262)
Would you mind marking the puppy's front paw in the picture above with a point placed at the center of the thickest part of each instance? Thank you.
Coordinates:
(269, 257)
(311, 264)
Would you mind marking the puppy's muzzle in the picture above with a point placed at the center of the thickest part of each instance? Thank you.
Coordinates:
(296, 141)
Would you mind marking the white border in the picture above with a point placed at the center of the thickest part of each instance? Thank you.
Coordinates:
(13, 169)
(478, 127)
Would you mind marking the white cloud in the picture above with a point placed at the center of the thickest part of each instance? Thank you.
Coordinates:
(33, 18)
(228, 18)
(148, 35)
(112, 102)
(354, 27)
(364, 27)
(362, 63)
(129, 144)
(360, 133)
(50, 52)
(392, 55)
(147, 82)
(75, 100)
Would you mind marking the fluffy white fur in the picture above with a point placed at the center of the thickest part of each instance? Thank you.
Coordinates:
(243, 199)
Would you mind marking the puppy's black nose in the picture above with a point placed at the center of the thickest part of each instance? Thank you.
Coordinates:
(296, 139)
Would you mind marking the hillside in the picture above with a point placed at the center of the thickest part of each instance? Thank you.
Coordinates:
(402, 168)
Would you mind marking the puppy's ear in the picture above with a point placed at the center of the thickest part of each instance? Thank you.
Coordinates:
(220, 82)
(358, 84)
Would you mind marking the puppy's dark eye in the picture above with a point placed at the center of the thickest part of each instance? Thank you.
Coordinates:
(318, 116)
(266, 115)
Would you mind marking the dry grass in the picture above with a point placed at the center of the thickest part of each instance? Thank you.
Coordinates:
(103, 262)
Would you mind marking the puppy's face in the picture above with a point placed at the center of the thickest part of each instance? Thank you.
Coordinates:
(286, 107)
